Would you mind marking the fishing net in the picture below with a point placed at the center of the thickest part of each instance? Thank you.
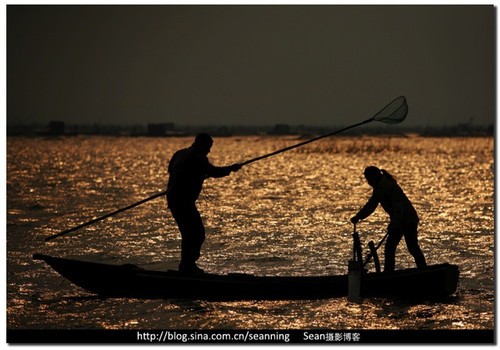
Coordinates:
(395, 112)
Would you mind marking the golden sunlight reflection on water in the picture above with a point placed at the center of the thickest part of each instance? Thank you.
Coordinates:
(286, 215)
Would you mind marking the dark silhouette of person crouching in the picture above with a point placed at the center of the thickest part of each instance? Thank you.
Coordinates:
(188, 168)
(403, 216)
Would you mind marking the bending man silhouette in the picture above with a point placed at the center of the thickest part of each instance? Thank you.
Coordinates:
(403, 216)
(188, 168)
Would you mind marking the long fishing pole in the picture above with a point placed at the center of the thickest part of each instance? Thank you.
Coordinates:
(393, 113)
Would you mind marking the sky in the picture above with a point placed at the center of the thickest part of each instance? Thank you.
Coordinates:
(322, 65)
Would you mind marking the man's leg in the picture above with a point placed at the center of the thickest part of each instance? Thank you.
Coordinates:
(413, 247)
(198, 234)
(393, 239)
(193, 235)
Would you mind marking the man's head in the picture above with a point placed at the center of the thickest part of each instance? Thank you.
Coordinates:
(203, 143)
(373, 175)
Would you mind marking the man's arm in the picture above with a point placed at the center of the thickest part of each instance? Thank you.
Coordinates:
(216, 171)
(367, 210)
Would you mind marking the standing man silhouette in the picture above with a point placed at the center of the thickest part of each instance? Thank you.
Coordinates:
(188, 168)
(403, 216)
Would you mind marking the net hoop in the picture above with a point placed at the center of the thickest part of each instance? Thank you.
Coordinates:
(395, 112)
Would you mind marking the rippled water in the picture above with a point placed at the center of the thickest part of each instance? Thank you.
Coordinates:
(285, 215)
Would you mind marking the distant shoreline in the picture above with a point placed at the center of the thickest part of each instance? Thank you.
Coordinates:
(302, 131)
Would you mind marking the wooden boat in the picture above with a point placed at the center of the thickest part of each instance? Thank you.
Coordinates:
(130, 281)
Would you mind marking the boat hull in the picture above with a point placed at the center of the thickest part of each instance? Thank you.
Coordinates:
(130, 281)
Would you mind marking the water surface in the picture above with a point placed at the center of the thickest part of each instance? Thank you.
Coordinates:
(285, 215)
